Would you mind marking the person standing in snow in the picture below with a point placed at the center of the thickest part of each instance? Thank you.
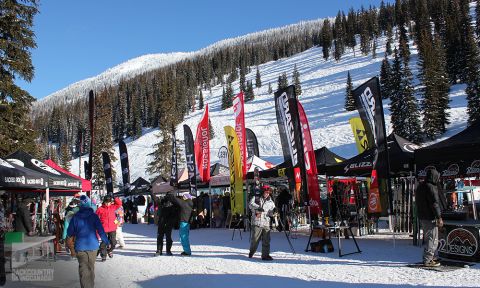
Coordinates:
(430, 214)
(186, 207)
(108, 218)
(166, 221)
(262, 207)
(73, 209)
(84, 227)
(119, 232)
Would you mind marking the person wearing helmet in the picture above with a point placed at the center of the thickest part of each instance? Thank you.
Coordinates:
(262, 207)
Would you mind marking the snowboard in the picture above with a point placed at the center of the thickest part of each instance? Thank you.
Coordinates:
(446, 266)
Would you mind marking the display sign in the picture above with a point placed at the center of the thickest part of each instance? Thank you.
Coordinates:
(460, 243)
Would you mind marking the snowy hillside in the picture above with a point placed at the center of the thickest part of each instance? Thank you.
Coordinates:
(112, 76)
(323, 85)
(139, 65)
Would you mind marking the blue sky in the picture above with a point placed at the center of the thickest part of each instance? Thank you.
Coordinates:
(81, 39)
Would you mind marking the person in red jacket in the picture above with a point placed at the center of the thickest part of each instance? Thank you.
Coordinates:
(107, 216)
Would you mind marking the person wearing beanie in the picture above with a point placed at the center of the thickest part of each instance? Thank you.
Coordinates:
(108, 218)
(66, 222)
(262, 209)
(186, 206)
(84, 227)
(166, 220)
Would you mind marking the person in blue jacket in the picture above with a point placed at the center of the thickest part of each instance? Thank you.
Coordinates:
(84, 227)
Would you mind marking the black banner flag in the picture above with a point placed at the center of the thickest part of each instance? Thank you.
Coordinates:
(125, 166)
(91, 117)
(369, 104)
(174, 171)
(292, 143)
(252, 144)
(190, 158)
(107, 169)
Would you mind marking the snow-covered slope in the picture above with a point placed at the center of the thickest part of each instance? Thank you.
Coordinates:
(323, 85)
(112, 76)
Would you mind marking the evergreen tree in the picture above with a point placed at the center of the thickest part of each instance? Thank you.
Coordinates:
(103, 139)
(270, 90)
(326, 38)
(249, 92)
(200, 100)
(385, 78)
(258, 79)
(296, 81)
(282, 81)
(435, 89)
(388, 45)
(405, 117)
(65, 157)
(224, 99)
(351, 41)
(229, 95)
(212, 131)
(16, 40)
(52, 153)
(161, 162)
(365, 33)
(349, 100)
(472, 66)
(242, 83)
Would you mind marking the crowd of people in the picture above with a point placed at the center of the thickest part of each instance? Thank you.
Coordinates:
(89, 231)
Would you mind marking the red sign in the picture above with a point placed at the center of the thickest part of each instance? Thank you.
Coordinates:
(310, 163)
(202, 148)
(238, 111)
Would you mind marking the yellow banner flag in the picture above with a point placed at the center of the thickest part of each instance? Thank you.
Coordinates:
(236, 172)
(360, 134)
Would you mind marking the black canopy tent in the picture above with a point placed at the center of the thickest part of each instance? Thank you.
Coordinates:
(140, 187)
(323, 157)
(400, 152)
(457, 156)
(57, 181)
(17, 177)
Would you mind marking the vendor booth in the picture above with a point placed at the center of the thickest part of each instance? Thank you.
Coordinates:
(457, 159)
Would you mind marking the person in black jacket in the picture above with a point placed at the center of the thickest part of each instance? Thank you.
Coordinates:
(23, 221)
(430, 214)
(186, 207)
(166, 221)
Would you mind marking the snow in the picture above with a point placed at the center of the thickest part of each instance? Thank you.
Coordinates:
(219, 261)
(323, 85)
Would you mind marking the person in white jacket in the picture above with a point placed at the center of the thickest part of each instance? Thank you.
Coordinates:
(263, 208)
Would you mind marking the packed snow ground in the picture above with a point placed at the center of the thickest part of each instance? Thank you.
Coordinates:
(219, 261)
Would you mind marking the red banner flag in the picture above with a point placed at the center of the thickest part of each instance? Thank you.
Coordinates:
(238, 111)
(310, 163)
(202, 148)
(374, 195)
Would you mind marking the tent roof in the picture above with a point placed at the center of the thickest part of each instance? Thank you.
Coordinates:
(138, 186)
(14, 176)
(400, 152)
(458, 155)
(86, 184)
(56, 179)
